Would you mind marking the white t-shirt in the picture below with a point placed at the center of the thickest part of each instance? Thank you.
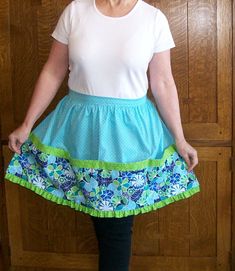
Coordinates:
(109, 56)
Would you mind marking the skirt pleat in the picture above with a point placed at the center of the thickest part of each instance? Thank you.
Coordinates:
(104, 156)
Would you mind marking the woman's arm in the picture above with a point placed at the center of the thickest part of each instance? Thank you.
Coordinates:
(48, 82)
(165, 94)
(46, 87)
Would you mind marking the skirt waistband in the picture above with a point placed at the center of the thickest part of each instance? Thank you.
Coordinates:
(92, 99)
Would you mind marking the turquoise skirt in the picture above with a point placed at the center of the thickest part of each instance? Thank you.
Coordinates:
(104, 156)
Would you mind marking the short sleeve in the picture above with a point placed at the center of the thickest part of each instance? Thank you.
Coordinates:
(63, 26)
(163, 36)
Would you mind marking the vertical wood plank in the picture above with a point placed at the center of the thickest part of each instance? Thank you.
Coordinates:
(62, 230)
(179, 27)
(146, 234)
(6, 105)
(202, 60)
(34, 217)
(224, 72)
(203, 212)
(24, 55)
(174, 226)
(224, 214)
(233, 138)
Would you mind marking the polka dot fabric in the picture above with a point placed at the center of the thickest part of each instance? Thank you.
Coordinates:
(105, 156)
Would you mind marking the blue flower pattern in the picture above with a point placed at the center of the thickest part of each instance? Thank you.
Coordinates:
(102, 189)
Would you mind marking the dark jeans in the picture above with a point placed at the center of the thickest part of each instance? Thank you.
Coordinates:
(114, 236)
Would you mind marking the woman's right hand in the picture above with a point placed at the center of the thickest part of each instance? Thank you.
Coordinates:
(18, 137)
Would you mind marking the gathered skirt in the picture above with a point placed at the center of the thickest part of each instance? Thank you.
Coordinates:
(104, 156)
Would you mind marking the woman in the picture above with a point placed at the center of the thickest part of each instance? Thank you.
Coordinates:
(105, 150)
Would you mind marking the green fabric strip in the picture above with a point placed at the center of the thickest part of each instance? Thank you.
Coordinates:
(101, 164)
(98, 213)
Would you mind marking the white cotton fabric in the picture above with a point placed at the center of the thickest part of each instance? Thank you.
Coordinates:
(109, 56)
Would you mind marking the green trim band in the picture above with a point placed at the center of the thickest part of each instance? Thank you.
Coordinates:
(101, 164)
(93, 212)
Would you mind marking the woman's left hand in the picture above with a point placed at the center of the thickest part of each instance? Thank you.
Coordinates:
(187, 152)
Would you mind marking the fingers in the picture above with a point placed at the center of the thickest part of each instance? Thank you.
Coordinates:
(188, 161)
(193, 160)
(14, 145)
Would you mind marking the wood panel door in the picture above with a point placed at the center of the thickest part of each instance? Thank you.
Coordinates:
(192, 234)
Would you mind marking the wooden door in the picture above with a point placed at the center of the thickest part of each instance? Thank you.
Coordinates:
(192, 234)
